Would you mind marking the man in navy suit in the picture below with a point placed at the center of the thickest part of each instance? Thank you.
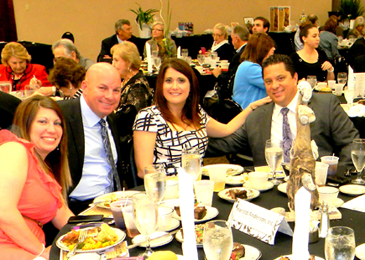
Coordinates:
(89, 165)
(123, 32)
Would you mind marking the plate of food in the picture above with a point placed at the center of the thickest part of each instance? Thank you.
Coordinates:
(352, 189)
(279, 174)
(237, 179)
(289, 257)
(201, 213)
(229, 169)
(106, 199)
(245, 252)
(242, 193)
(199, 231)
(98, 238)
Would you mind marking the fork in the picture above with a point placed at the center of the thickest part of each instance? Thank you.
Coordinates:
(82, 237)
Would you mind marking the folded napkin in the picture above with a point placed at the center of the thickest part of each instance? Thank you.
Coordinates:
(187, 215)
(178, 54)
(356, 111)
(357, 204)
(149, 57)
(302, 220)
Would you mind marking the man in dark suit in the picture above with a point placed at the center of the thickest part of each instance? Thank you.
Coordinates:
(239, 35)
(359, 64)
(89, 164)
(332, 131)
(8, 105)
(123, 32)
(357, 49)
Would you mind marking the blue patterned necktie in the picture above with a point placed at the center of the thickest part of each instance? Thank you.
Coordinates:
(113, 174)
(287, 136)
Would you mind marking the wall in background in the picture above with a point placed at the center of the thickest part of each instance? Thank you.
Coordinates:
(91, 21)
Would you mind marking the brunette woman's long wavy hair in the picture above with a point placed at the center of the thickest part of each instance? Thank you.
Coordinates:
(56, 161)
(258, 46)
(190, 112)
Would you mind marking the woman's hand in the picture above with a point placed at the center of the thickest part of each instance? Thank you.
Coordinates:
(44, 91)
(260, 102)
(327, 66)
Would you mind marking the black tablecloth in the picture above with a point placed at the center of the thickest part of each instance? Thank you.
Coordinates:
(283, 243)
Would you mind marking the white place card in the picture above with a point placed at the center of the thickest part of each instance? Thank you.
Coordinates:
(149, 58)
(359, 84)
(186, 191)
(357, 204)
(257, 222)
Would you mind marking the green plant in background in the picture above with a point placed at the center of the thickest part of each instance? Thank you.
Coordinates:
(351, 9)
(144, 16)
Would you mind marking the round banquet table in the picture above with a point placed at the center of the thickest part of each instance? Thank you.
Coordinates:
(283, 243)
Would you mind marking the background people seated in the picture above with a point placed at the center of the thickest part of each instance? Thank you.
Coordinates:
(67, 76)
(311, 19)
(135, 87)
(357, 49)
(166, 47)
(261, 25)
(309, 60)
(176, 121)
(33, 170)
(332, 131)
(248, 84)
(66, 48)
(329, 41)
(358, 30)
(221, 45)
(17, 69)
(93, 174)
(123, 32)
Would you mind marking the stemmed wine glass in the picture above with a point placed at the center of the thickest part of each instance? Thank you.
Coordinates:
(340, 243)
(358, 158)
(201, 59)
(191, 162)
(349, 95)
(145, 213)
(274, 157)
(342, 78)
(155, 182)
(218, 241)
(312, 80)
(157, 63)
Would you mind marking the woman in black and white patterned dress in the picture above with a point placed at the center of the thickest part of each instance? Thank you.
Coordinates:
(176, 121)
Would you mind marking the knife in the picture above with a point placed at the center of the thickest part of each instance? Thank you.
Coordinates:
(142, 242)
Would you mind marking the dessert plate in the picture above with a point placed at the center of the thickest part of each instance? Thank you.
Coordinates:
(251, 194)
(282, 187)
(163, 240)
(229, 169)
(108, 198)
(269, 185)
(211, 213)
(352, 189)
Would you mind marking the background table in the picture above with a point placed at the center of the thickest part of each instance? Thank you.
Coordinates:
(283, 243)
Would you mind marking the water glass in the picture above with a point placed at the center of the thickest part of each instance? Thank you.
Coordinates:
(5, 86)
(274, 157)
(218, 240)
(204, 192)
(154, 54)
(157, 63)
(358, 158)
(340, 243)
(184, 53)
(312, 80)
(155, 182)
(191, 162)
(342, 78)
(201, 59)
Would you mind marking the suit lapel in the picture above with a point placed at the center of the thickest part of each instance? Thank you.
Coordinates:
(266, 118)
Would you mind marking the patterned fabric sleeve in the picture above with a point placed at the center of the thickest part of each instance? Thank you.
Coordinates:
(146, 120)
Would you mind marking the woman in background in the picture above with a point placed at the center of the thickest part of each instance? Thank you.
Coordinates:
(135, 87)
(166, 47)
(328, 40)
(176, 121)
(248, 83)
(34, 176)
(221, 45)
(309, 60)
(358, 30)
(67, 76)
(17, 69)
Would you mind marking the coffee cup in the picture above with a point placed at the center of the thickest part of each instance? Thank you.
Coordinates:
(258, 180)
(332, 161)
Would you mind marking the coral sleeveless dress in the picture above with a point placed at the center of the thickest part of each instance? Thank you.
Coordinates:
(40, 199)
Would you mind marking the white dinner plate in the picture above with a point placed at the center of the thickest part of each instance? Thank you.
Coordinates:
(316, 257)
(114, 196)
(121, 236)
(251, 194)
(211, 213)
(282, 187)
(360, 252)
(85, 256)
(235, 180)
(234, 169)
(269, 185)
(174, 224)
(155, 242)
(251, 253)
(352, 189)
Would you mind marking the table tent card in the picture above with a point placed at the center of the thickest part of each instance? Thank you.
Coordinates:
(359, 84)
(357, 204)
(187, 215)
(149, 57)
(257, 221)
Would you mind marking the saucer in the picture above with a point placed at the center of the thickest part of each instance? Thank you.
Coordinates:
(159, 240)
(174, 224)
(269, 185)
(352, 189)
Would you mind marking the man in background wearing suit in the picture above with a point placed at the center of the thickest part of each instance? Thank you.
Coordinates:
(332, 130)
(91, 171)
(123, 32)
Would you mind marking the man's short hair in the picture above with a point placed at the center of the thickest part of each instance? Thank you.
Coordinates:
(266, 23)
(242, 32)
(312, 18)
(69, 47)
(120, 23)
(277, 59)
